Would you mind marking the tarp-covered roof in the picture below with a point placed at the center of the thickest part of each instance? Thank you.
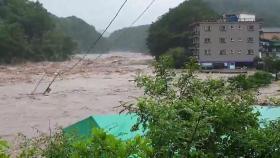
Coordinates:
(117, 125)
(271, 30)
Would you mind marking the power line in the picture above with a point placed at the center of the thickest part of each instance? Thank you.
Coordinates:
(136, 20)
(90, 48)
(145, 10)
(97, 40)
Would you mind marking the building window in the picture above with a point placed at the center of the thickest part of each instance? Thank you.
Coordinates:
(195, 40)
(223, 52)
(207, 52)
(222, 40)
(207, 40)
(208, 28)
(251, 52)
(250, 40)
(223, 28)
(251, 28)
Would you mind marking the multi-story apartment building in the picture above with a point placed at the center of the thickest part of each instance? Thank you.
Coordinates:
(227, 43)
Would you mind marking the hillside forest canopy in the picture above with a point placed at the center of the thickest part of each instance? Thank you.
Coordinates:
(173, 29)
(27, 32)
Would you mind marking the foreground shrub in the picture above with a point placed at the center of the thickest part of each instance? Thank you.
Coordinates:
(99, 145)
(189, 117)
(4, 149)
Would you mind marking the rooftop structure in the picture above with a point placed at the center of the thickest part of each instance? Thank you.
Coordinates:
(271, 30)
(270, 33)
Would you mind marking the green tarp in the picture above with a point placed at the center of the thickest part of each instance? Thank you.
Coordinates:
(268, 113)
(117, 125)
(120, 125)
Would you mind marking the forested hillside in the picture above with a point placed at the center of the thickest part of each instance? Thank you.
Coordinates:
(130, 39)
(27, 32)
(82, 33)
(268, 10)
(173, 29)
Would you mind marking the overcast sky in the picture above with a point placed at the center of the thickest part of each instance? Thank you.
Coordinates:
(100, 12)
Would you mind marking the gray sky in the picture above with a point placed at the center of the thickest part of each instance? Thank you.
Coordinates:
(100, 12)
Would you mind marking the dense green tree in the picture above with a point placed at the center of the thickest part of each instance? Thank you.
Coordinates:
(174, 28)
(13, 45)
(27, 32)
(178, 55)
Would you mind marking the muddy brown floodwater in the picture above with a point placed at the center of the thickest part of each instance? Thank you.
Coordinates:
(93, 87)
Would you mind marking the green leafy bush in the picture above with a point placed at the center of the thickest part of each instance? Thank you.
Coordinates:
(3, 149)
(99, 145)
(259, 79)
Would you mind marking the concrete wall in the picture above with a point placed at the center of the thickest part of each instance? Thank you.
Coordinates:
(236, 50)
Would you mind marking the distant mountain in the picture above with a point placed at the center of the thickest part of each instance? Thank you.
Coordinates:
(268, 10)
(130, 39)
(106, 34)
(82, 33)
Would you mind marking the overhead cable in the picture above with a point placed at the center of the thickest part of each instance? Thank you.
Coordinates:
(47, 90)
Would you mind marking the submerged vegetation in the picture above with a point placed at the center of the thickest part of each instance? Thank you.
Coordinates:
(255, 81)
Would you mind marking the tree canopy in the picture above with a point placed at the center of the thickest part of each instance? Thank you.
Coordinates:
(27, 32)
(82, 33)
(173, 29)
